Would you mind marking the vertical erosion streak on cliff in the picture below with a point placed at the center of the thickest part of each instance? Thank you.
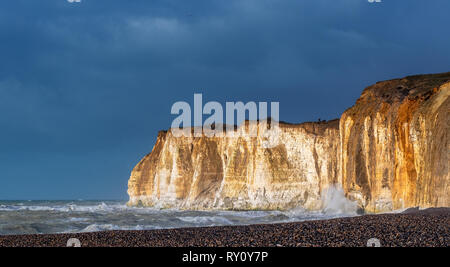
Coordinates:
(389, 151)
(431, 126)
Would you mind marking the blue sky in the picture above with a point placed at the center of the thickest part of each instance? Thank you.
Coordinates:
(85, 87)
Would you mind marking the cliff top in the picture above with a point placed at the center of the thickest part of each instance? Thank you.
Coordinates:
(310, 127)
(410, 86)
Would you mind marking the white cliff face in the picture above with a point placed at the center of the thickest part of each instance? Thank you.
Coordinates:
(389, 151)
(239, 172)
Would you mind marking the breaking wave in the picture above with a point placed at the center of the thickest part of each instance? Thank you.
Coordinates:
(334, 202)
(112, 227)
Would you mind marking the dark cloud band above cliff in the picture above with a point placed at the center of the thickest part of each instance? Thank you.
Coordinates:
(84, 87)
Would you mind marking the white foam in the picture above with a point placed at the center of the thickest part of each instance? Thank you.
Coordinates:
(102, 207)
(112, 227)
(334, 202)
(248, 214)
(205, 220)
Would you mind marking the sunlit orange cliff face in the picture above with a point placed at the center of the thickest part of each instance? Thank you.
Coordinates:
(389, 151)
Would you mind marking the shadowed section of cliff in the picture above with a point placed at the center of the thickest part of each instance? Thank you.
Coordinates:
(389, 151)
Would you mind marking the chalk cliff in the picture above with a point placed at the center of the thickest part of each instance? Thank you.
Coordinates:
(395, 144)
(389, 151)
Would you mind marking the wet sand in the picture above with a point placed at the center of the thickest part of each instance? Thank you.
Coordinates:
(427, 228)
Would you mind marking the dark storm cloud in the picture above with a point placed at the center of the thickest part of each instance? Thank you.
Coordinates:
(84, 87)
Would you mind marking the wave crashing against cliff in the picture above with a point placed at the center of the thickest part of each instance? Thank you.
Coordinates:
(389, 151)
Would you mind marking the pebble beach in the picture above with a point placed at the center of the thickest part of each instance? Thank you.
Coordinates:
(412, 228)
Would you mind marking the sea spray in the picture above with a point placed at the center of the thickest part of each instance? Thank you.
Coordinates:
(335, 202)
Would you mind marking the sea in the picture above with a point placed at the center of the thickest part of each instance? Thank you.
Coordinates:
(45, 217)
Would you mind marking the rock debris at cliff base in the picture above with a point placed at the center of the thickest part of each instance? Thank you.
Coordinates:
(429, 228)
